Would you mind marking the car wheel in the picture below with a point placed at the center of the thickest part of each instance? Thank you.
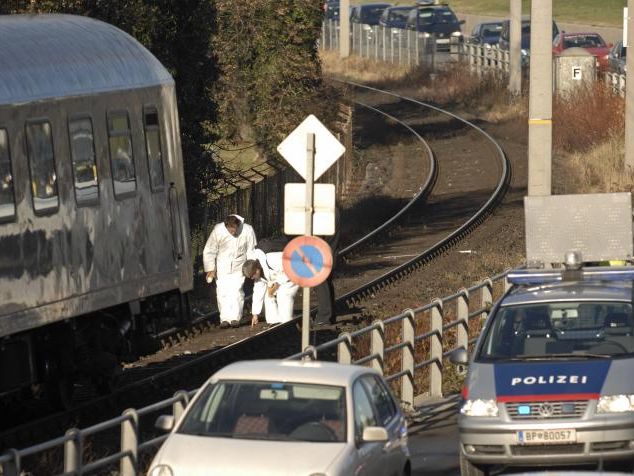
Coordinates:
(467, 468)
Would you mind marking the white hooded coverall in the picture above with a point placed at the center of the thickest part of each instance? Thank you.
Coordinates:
(277, 308)
(225, 254)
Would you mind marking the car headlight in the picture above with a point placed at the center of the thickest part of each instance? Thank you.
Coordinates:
(615, 404)
(161, 470)
(456, 33)
(525, 52)
(480, 408)
(366, 27)
(424, 35)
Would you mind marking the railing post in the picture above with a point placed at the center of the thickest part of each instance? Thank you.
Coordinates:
(129, 443)
(486, 293)
(178, 408)
(384, 54)
(14, 466)
(72, 452)
(323, 35)
(344, 354)
(463, 316)
(377, 345)
(408, 336)
(435, 349)
(375, 30)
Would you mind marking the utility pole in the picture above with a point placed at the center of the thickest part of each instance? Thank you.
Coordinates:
(540, 108)
(515, 48)
(344, 28)
(629, 92)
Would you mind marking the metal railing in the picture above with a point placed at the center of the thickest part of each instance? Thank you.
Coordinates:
(392, 45)
(407, 344)
(616, 82)
(485, 58)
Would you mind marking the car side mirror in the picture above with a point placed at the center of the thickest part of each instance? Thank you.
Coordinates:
(374, 434)
(610, 45)
(459, 357)
(164, 423)
(462, 22)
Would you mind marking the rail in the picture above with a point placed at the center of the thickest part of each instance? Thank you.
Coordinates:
(616, 82)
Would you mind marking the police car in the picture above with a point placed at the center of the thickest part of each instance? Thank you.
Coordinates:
(551, 380)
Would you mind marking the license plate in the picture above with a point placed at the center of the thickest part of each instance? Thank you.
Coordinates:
(546, 437)
(442, 40)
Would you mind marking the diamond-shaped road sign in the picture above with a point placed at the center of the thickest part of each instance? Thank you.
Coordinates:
(327, 148)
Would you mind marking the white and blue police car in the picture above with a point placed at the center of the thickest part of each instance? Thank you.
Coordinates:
(551, 379)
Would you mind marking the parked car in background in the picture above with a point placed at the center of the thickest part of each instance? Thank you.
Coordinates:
(436, 20)
(331, 10)
(486, 33)
(591, 42)
(368, 14)
(287, 417)
(617, 58)
(395, 17)
(505, 38)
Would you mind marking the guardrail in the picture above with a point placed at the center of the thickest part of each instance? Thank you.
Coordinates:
(383, 344)
(481, 58)
(616, 82)
(393, 45)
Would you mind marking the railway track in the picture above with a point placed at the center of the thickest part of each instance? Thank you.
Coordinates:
(422, 235)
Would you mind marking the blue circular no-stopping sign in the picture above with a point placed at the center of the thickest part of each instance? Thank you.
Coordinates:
(307, 261)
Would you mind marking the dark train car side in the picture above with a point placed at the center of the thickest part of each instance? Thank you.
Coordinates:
(93, 217)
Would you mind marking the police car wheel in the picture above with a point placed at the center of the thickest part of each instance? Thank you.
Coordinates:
(467, 468)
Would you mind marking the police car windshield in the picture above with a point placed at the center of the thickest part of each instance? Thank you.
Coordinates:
(560, 330)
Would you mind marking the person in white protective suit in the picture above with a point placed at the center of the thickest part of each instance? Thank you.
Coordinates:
(272, 287)
(224, 254)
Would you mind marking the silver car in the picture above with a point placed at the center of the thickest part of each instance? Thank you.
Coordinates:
(272, 417)
(550, 382)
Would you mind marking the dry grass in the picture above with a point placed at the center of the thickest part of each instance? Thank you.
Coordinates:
(587, 118)
(359, 69)
(453, 86)
(588, 143)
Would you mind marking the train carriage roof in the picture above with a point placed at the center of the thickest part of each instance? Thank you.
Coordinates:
(54, 56)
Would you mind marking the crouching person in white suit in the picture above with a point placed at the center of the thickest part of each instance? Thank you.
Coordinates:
(271, 287)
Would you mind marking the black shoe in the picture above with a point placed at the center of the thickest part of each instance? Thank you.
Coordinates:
(235, 324)
(224, 325)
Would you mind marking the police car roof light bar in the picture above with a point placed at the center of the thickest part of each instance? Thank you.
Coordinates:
(599, 273)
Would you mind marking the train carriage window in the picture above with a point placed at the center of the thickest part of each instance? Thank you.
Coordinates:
(153, 145)
(83, 155)
(121, 158)
(7, 198)
(42, 165)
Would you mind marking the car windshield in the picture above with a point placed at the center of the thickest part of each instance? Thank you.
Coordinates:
(560, 329)
(371, 14)
(400, 15)
(436, 15)
(268, 411)
(583, 41)
(492, 30)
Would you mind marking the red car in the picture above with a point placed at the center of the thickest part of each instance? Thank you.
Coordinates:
(592, 42)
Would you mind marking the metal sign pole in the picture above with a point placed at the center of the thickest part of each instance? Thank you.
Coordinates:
(310, 166)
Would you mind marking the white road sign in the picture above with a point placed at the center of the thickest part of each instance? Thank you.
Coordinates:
(295, 209)
(327, 148)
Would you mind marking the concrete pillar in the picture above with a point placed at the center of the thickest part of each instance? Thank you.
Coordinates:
(344, 28)
(629, 92)
(540, 107)
(515, 48)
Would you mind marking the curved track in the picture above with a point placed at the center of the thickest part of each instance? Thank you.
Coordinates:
(435, 219)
